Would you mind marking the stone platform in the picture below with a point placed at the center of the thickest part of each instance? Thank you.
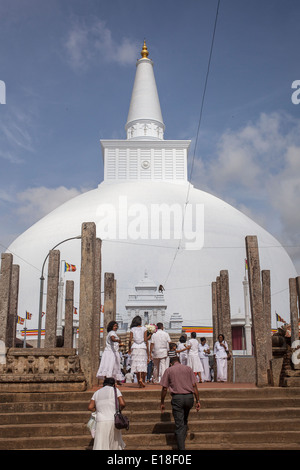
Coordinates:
(46, 369)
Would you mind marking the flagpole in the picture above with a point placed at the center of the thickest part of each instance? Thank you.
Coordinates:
(25, 329)
(42, 279)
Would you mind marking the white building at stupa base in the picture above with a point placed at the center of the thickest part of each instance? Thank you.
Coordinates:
(148, 214)
(148, 302)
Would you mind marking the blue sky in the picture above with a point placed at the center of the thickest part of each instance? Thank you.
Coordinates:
(69, 67)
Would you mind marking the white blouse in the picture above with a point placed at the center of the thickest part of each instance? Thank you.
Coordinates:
(138, 337)
(219, 350)
(193, 342)
(105, 403)
(110, 344)
(203, 350)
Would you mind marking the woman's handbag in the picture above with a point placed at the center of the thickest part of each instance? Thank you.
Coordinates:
(228, 355)
(121, 421)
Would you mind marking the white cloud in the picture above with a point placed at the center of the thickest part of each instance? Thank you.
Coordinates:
(17, 134)
(35, 203)
(86, 43)
(257, 169)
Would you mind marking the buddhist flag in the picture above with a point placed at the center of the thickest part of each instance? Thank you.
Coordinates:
(28, 315)
(75, 311)
(70, 267)
(20, 320)
(246, 263)
(279, 318)
(102, 309)
(43, 313)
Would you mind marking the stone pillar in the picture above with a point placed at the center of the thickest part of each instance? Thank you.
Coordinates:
(52, 298)
(13, 307)
(257, 311)
(219, 307)
(214, 311)
(97, 313)
(294, 310)
(248, 329)
(109, 301)
(266, 296)
(87, 300)
(226, 317)
(69, 308)
(5, 284)
(298, 289)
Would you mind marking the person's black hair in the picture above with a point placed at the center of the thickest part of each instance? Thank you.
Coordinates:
(110, 381)
(221, 334)
(172, 345)
(182, 339)
(203, 338)
(160, 325)
(174, 359)
(111, 325)
(136, 321)
(193, 334)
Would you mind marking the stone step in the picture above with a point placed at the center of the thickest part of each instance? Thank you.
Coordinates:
(39, 443)
(43, 430)
(196, 440)
(216, 425)
(138, 428)
(142, 405)
(153, 416)
(148, 393)
(215, 438)
(229, 419)
(45, 417)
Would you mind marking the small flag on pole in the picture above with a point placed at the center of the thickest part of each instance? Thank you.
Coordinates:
(70, 267)
(20, 320)
(43, 313)
(279, 318)
(28, 315)
(75, 311)
(102, 309)
(246, 263)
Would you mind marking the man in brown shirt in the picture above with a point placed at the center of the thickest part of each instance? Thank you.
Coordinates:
(181, 382)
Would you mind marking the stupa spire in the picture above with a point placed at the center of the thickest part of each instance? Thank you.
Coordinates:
(144, 52)
(144, 121)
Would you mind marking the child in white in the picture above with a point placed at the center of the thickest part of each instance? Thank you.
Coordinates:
(182, 350)
(204, 351)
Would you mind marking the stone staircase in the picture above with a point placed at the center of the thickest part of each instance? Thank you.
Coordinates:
(230, 418)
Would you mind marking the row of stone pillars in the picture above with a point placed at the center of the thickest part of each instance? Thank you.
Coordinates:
(260, 305)
(89, 302)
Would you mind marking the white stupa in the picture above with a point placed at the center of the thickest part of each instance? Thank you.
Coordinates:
(148, 214)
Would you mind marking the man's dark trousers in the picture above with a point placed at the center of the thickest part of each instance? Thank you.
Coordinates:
(181, 405)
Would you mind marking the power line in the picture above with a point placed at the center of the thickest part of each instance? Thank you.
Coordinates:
(197, 133)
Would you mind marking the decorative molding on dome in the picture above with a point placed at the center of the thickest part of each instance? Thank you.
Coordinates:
(152, 160)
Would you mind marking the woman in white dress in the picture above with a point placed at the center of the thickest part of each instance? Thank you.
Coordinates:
(220, 352)
(107, 437)
(110, 365)
(193, 360)
(139, 349)
(182, 350)
(204, 351)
